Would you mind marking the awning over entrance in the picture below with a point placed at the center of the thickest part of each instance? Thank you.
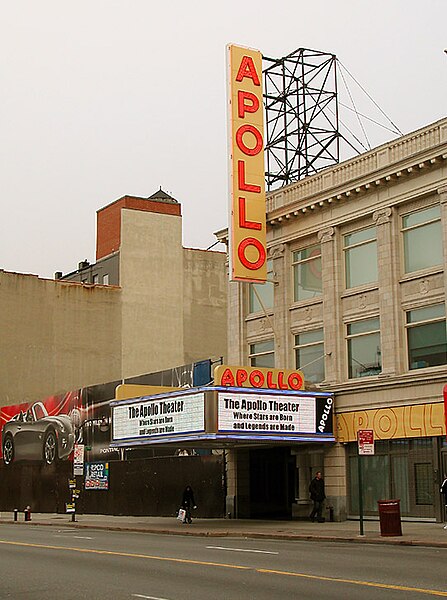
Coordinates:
(220, 417)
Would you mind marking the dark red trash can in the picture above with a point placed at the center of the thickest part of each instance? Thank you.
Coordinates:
(389, 515)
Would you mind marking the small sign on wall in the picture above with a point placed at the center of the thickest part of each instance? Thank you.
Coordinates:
(365, 438)
(96, 476)
(78, 459)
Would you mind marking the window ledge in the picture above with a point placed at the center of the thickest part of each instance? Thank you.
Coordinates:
(258, 315)
(420, 274)
(304, 303)
(361, 289)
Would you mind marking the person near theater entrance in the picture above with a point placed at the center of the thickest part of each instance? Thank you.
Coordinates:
(188, 503)
(317, 495)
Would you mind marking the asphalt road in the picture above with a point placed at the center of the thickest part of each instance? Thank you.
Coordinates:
(72, 564)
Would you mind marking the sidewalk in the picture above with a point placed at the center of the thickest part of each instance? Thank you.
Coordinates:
(413, 534)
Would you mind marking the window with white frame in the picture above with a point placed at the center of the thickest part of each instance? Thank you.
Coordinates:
(306, 265)
(364, 353)
(422, 239)
(360, 250)
(96, 278)
(262, 293)
(426, 336)
(262, 354)
(105, 279)
(309, 354)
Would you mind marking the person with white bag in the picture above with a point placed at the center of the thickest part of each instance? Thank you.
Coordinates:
(187, 504)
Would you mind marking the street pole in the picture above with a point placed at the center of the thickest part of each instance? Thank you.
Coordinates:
(359, 463)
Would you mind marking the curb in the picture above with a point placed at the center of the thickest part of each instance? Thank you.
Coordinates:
(239, 534)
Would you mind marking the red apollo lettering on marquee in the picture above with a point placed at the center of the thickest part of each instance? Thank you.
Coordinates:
(227, 378)
(241, 377)
(243, 129)
(281, 384)
(243, 107)
(270, 383)
(262, 255)
(295, 381)
(247, 69)
(256, 379)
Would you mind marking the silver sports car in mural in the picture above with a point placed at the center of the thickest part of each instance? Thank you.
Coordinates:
(35, 435)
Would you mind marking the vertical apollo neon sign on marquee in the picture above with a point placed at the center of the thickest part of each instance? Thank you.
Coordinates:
(247, 179)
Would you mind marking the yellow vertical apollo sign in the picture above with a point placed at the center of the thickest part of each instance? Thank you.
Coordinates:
(248, 255)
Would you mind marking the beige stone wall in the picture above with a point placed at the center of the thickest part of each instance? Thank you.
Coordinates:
(55, 336)
(170, 309)
(151, 277)
(204, 305)
(376, 188)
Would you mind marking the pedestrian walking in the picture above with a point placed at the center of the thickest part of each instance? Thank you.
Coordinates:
(188, 503)
(317, 495)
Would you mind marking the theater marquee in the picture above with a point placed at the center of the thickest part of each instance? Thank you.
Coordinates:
(158, 417)
(218, 417)
(263, 413)
(247, 221)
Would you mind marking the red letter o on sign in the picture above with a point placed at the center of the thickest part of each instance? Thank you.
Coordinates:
(240, 143)
(295, 381)
(256, 379)
(244, 260)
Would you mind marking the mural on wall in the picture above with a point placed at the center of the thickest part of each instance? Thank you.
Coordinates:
(43, 431)
(39, 439)
(46, 431)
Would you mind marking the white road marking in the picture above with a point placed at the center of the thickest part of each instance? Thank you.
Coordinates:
(66, 530)
(241, 550)
(78, 537)
(148, 597)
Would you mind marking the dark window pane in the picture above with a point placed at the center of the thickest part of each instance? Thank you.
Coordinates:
(427, 345)
(423, 477)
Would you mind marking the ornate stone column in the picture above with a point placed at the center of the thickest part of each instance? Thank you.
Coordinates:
(442, 191)
(280, 315)
(331, 299)
(387, 260)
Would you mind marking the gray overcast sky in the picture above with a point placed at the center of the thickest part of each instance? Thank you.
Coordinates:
(103, 98)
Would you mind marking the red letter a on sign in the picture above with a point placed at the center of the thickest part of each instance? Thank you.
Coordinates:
(247, 69)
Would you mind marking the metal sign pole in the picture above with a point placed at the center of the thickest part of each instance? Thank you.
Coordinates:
(359, 460)
(365, 442)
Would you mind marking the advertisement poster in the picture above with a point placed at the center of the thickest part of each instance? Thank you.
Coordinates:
(44, 431)
(96, 476)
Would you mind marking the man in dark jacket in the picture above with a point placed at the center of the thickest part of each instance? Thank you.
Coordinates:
(188, 503)
(316, 489)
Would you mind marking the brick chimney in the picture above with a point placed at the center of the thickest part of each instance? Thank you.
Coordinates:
(108, 219)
